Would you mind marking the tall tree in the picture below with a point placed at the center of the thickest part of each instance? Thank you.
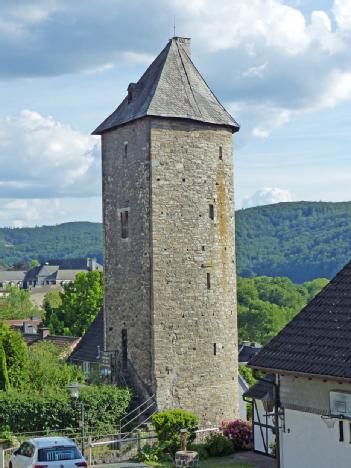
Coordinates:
(4, 377)
(17, 305)
(81, 302)
(16, 353)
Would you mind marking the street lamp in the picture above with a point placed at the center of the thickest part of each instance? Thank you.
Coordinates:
(74, 389)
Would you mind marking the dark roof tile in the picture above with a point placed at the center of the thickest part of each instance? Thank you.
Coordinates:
(317, 340)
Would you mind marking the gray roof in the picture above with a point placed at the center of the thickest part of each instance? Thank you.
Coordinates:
(12, 275)
(171, 87)
(317, 341)
(262, 390)
(92, 341)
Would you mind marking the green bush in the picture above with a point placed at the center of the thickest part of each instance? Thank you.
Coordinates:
(50, 410)
(217, 445)
(200, 449)
(168, 425)
(152, 453)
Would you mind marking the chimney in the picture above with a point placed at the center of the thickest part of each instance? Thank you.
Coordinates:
(43, 332)
(185, 43)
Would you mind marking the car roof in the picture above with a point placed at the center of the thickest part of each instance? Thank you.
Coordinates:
(43, 442)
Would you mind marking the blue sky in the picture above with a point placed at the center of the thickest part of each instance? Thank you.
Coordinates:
(282, 68)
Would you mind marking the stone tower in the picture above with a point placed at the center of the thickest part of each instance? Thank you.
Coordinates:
(168, 208)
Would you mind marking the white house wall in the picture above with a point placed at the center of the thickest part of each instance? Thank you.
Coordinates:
(308, 443)
(312, 396)
(261, 434)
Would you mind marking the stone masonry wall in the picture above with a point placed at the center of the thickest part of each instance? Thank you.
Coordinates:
(193, 269)
(126, 185)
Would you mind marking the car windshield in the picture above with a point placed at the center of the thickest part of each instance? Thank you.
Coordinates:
(58, 453)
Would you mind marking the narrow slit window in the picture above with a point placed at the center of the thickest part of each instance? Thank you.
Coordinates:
(220, 153)
(208, 281)
(341, 431)
(125, 150)
(124, 224)
(215, 349)
(211, 211)
(350, 431)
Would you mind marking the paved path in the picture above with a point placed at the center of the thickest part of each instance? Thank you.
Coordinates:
(260, 461)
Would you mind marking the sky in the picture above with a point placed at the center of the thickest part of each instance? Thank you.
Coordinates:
(281, 68)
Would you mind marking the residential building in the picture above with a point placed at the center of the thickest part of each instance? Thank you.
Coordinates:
(311, 363)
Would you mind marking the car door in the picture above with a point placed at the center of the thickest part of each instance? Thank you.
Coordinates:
(22, 458)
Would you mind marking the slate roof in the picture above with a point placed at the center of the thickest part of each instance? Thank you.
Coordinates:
(90, 344)
(58, 340)
(318, 340)
(171, 87)
(262, 390)
(247, 351)
(11, 275)
(74, 263)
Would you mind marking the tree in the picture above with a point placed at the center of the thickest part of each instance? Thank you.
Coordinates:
(17, 305)
(266, 305)
(81, 302)
(48, 370)
(16, 354)
(4, 377)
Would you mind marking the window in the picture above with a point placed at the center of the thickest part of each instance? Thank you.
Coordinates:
(51, 454)
(211, 211)
(208, 281)
(220, 153)
(124, 224)
(125, 149)
(215, 349)
(341, 431)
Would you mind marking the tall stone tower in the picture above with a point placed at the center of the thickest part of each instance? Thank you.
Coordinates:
(168, 208)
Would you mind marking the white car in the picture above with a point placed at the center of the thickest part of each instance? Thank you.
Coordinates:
(47, 452)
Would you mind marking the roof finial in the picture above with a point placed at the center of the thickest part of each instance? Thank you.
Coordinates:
(174, 26)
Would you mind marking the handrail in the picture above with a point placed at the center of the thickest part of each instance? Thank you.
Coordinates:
(138, 407)
(122, 426)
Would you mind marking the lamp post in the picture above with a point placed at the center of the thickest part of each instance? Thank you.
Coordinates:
(74, 389)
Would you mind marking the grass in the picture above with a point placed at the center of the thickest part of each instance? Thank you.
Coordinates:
(224, 462)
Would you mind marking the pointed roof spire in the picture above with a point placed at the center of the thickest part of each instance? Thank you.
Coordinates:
(171, 87)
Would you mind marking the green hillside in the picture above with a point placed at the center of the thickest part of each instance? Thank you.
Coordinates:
(68, 240)
(302, 240)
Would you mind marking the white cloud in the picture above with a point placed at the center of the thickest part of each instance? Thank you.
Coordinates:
(342, 13)
(36, 212)
(267, 196)
(43, 158)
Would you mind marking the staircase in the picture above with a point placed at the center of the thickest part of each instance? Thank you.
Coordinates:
(143, 405)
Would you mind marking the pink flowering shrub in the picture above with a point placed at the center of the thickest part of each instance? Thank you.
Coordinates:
(239, 432)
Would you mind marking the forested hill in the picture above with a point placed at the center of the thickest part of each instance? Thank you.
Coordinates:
(302, 240)
(68, 240)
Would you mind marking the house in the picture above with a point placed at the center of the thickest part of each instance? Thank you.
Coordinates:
(89, 353)
(10, 278)
(246, 351)
(30, 325)
(310, 360)
(261, 398)
(33, 332)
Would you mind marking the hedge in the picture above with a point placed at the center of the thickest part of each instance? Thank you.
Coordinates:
(22, 412)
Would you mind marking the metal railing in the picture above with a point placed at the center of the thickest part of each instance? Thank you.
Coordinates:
(138, 412)
(123, 446)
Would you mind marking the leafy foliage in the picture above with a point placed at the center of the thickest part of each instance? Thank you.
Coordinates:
(239, 432)
(246, 372)
(4, 377)
(266, 305)
(47, 370)
(17, 305)
(217, 445)
(17, 360)
(81, 301)
(168, 425)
